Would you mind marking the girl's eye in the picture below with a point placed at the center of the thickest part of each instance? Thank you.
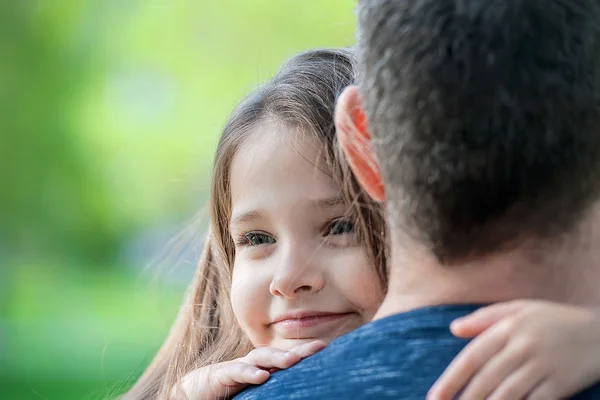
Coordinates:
(256, 239)
(340, 227)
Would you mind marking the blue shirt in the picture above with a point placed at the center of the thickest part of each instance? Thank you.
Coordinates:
(397, 357)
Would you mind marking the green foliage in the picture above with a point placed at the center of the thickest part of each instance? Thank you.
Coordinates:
(51, 200)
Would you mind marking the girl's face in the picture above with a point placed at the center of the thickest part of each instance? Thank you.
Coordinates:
(300, 272)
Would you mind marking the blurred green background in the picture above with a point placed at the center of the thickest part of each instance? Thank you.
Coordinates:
(109, 115)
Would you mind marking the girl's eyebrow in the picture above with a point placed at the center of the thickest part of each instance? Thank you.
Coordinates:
(249, 216)
(255, 215)
(329, 202)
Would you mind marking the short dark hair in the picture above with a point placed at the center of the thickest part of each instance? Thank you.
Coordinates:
(486, 117)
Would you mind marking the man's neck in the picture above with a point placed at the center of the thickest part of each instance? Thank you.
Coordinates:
(417, 280)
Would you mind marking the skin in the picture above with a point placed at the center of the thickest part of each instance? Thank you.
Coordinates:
(526, 349)
(296, 246)
(229, 378)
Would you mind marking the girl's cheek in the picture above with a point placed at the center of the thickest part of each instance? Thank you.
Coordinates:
(238, 293)
(250, 306)
(249, 294)
(359, 279)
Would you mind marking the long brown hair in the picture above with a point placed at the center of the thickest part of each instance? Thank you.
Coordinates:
(301, 95)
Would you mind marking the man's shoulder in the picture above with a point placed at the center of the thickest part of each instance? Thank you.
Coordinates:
(395, 357)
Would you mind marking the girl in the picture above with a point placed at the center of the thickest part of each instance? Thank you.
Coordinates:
(296, 251)
(296, 256)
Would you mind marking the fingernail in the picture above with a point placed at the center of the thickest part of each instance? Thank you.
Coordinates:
(456, 323)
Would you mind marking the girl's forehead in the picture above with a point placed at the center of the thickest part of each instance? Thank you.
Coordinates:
(275, 161)
(270, 138)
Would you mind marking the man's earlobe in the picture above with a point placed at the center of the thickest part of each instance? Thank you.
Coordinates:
(355, 139)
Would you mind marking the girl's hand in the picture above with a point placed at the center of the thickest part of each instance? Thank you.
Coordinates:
(228, 378)
(524, 350)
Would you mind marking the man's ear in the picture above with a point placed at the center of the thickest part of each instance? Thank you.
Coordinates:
(355, 139)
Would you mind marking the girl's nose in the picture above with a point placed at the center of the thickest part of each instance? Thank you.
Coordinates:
(299, 271)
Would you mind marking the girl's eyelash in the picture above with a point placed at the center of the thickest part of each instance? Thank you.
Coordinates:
(335, 227)
(241, 240)
(246, 239)
(340, 222)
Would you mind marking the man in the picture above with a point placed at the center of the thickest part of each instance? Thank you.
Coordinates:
(483, 140)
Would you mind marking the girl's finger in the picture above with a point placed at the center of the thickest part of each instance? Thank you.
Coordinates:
(494, 372)
(482, 319)
(236, 373)
(544, 391)
(519, 383)
(308, 349)
(470, 360)
(270, 357)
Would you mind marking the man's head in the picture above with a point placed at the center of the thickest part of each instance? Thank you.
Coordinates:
(484, 117)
